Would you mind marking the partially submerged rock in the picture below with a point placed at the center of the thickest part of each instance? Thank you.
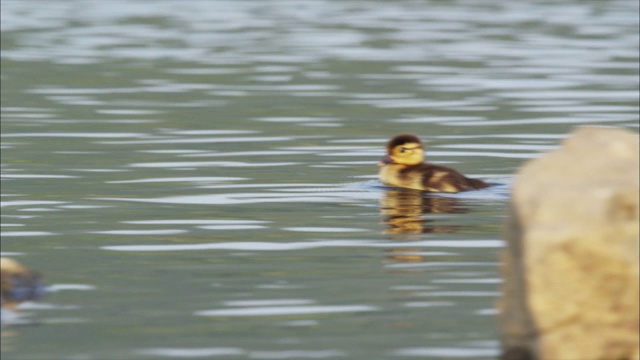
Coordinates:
(571, 264)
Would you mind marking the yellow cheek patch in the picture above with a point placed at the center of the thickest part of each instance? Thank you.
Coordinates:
(402, 149)
(407, 154)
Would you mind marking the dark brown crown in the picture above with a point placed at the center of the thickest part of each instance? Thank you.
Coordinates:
(401, 140)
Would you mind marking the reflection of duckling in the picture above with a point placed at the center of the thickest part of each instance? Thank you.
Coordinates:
(404, 167)
(18, 284)
(405, 211)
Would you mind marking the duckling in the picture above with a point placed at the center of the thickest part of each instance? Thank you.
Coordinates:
(404, 167)
(18, 284)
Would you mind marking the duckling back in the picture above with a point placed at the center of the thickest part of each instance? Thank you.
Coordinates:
(438, 178)
(477, 184)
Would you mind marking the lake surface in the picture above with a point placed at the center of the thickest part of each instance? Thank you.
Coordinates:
(197, 179)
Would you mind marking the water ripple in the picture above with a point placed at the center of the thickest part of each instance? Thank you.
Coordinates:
(6, 203)
(36, 176)
(193, 353)
(242, 198)
(179, 164)
(178, 179)
(323, 229)
(197, 140)
(141, 232)
(270, 302)
(297, 354)
(195, 222)
(75, 135)
(285, 246)
(26, 233)
(287, 310)
(444, 353)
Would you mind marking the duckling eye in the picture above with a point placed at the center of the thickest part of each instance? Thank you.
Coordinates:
(403, 149)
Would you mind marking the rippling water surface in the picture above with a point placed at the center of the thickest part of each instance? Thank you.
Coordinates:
(197, 179)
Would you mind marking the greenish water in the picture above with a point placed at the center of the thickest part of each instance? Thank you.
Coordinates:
(197, 179)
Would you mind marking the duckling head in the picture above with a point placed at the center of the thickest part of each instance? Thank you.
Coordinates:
(405, 149)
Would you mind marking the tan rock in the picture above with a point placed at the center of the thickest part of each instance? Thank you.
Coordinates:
(571, 264)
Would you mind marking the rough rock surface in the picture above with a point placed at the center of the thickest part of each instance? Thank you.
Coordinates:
(571, 264)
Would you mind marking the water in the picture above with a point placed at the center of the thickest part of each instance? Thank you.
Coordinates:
(197, 179)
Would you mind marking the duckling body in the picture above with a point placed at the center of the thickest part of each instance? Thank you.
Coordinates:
(404, 167)
(18, 283)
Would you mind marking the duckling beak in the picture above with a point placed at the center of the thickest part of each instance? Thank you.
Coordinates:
(386, 160)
